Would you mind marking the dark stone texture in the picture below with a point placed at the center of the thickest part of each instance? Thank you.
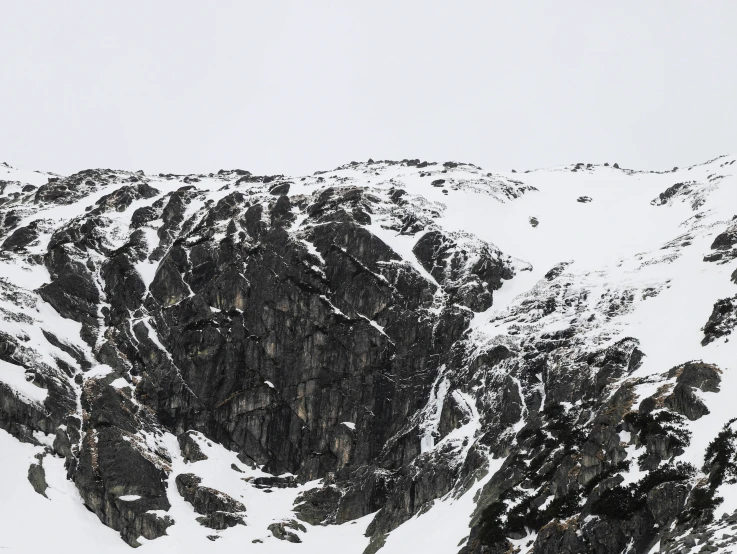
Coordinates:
(285, 482)
(37, 478)
(469, 279)
(282, 531)
(722, 320)
(280, 189)
(21, 237)
(190, 449)
(220, 511)
(692, 375)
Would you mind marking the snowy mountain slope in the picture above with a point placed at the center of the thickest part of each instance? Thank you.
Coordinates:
(427, 355)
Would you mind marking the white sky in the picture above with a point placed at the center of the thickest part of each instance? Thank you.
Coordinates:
(292, 87)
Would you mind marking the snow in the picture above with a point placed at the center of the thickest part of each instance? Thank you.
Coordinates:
(402, 245)
(74, 530)
(15, 377)
(373, 324)
(262, 509)
(442, 528)
(100, 370)
(335, 309)
(23, 275)
(38, 316)
(147, 269)
(314, 251)
(433, 412)
(620, 221)
(46, 440)
(32, 523)
(615, 241)
(120, 383)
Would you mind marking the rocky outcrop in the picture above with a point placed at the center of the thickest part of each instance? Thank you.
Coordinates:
(319, 505)
(724, 246)
(24, 417)
(21, 237)
(220, 511)
(117, 475)
(37, 477)
(285, 482)
(282, 531)
(683, 399)
(722, 320)
(466, 268)
(191, 451)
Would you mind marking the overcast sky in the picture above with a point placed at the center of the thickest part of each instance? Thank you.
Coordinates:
(292, 87)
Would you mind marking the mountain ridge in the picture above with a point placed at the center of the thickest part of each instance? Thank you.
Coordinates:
(375, 342)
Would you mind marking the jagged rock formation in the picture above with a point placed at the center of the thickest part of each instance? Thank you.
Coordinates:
(220, 511)
(355, 345)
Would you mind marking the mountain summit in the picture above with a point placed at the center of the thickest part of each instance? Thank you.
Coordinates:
(392, 356)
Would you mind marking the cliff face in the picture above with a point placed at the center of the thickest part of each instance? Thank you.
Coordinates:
(355, 343)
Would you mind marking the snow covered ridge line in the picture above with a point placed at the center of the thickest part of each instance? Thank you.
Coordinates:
(539, 360)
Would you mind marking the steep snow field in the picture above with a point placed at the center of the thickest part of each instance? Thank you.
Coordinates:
(605, 225)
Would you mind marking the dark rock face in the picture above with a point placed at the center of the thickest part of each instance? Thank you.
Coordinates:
(286, 325)
(112, 464)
